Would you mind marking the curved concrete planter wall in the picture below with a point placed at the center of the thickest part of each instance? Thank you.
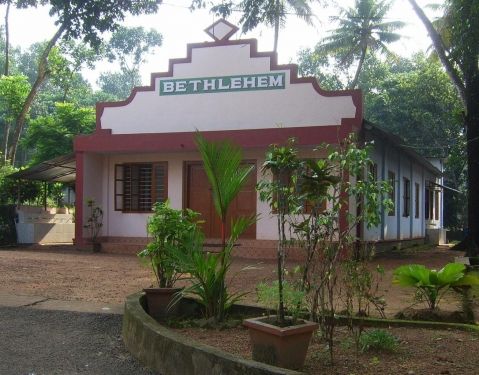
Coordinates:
(169, 353)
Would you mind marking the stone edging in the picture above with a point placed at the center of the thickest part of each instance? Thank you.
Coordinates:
(169, 353)
(165, 351)
(408, 323)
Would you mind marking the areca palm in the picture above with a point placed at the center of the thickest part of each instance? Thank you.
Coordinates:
(361, 29)
(222, 163)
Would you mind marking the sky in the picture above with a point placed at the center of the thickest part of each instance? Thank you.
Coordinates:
(179, 26)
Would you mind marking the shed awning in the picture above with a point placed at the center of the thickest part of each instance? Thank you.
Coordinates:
(59, 169)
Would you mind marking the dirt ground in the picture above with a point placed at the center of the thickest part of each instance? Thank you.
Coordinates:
(419, 352)
(61, 272)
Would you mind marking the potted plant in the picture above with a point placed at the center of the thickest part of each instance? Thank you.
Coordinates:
(94, 224)
(170, 230)
(279, 339)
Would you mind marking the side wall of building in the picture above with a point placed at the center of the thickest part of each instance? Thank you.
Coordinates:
(401, 223)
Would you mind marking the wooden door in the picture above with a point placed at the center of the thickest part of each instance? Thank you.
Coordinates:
(199, 198)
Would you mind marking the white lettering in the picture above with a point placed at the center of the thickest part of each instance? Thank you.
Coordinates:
(168, 86)
(236, 82)
(222, 86)
(195, 83)
(180, 86)
(263, 81)
(209, 84)
(276, 81)
(249, 82)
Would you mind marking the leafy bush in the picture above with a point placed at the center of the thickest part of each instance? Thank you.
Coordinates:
(208, 271)
(172, 231)
(8, 234)
(293, 298)
(430, 284)
(378, 340)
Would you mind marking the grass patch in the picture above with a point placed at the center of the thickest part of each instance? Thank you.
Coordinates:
(378, 340)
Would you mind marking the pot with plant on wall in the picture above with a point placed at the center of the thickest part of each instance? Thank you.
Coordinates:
(170, 230)
(281, 340)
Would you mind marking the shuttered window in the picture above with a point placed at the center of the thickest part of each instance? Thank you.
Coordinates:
(139, 185)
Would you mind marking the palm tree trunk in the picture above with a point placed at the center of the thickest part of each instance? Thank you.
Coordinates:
(41, 76)
(7, 40)
(360, 66)
(276, 26)
(441, 51)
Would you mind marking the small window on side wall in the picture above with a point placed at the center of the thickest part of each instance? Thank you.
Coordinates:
(392, 194)
(416, 200)
(406, 197)
(140, 185)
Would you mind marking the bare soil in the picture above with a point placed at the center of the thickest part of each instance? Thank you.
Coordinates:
(61, 272)
(420, 352)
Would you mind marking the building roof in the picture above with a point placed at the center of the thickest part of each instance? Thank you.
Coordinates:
(59, 169)
(398, 142)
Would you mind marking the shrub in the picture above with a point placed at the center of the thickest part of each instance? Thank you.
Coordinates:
(378, 340)
(430, 284)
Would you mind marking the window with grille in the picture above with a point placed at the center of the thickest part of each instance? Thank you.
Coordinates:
(406, 197)
(139, 185)
(416, 200)
(392, 193)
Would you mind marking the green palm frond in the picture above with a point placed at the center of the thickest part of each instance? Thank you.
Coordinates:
(222, 163)
(361, 29)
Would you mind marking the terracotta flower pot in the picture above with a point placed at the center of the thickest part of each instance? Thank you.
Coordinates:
(158, 300)
(280, 346)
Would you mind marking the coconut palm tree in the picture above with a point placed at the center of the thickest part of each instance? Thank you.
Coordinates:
(269, 12)
(361, 29)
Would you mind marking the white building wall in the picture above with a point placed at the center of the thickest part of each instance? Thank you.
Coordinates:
(120, 224)
(399, 227)
(151, 112)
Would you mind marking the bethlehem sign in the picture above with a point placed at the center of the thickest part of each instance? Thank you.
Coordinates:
(267, 81)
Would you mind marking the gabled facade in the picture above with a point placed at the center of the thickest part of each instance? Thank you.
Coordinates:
(143, 148)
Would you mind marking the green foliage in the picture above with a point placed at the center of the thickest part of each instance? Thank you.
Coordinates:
(8, 233)
(222, 162)
(255, 12)
(13, 92)
(361, 288)
(280, 162)
(87, 20)
(378, 340)
(118, 85)
(431, 284)
(94, 221)
(293, 298)
(361, 29)
(129, 45)
(313, 63)
(13, 191)
(52, 135)
(208, 271)
(171, 231)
